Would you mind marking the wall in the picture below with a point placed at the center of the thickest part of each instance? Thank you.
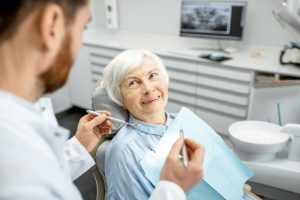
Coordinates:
(60, 99)
(163, 16)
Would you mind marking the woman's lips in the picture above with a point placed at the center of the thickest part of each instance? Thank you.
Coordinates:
(150, 100)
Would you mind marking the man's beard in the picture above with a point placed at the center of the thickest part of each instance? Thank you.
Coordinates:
(57, 75)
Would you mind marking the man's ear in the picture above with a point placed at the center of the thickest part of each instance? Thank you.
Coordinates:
(52, 28)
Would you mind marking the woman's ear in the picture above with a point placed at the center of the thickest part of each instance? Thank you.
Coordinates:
(52, 28)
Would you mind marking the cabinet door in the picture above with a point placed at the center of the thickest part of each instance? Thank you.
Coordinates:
(99, 58)
(80, 84)
(222, 94)
(87, 71)
(218, 94)
(265, 101)
(182, 88)
(61, 100)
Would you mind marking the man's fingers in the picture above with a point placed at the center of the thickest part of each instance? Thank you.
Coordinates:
(176, 148)
(197, 155)
(191, 144)
(98, 134)
(108, 124)
(104, 112)
(105, 127)
(195, 151)
(96, 121)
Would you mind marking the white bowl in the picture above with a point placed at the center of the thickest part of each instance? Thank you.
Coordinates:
(257, 140)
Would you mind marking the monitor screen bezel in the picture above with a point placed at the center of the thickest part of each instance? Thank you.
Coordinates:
(220, 37)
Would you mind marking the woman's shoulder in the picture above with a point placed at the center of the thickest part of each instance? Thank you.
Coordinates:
(121, 141)
(122, 153)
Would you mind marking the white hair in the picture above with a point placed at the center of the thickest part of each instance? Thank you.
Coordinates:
(115, 72)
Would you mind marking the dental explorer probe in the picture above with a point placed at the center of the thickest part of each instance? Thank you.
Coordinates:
(109, 117)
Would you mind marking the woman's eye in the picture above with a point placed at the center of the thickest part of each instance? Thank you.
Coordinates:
(132, 83)
(153, 75)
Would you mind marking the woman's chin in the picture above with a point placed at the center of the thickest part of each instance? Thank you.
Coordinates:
(155, 110)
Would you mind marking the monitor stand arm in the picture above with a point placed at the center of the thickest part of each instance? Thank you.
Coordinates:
(219, 48)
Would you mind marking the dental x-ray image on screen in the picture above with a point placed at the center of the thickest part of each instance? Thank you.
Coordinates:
(219, 20)
(207, 18)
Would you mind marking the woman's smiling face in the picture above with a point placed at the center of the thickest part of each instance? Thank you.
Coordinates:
(145, 92)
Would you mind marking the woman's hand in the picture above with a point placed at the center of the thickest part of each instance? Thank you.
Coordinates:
(91, 128)
(175, 171)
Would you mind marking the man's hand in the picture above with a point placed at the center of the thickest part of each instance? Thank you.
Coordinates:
(91, 128)
(252, 194)
(175, 171)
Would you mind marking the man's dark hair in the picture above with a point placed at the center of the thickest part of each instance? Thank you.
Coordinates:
(13, 12)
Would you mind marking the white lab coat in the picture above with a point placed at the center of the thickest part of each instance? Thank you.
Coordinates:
(32, 163)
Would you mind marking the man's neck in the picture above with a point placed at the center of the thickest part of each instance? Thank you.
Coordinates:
(17, 73)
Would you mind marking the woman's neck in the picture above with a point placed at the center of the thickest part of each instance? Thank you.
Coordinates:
(158, 118)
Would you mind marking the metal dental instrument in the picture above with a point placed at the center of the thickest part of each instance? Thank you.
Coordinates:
(110, 118)
(184, 151)
(135, 125)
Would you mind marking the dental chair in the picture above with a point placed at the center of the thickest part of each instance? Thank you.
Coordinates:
(101, 101)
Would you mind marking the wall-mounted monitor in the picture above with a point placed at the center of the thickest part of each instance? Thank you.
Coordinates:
(213, 19)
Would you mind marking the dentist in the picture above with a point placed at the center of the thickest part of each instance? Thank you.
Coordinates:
(39, 40)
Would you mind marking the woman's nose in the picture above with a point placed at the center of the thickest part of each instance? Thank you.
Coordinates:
(148, 87)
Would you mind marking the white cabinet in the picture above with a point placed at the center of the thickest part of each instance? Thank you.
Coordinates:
(87, 71)
(217, 94)
(182, 88)
(264, 105)
(60, 99)
(80, 84)
(99, 57)
(223, 95)
(220, 95)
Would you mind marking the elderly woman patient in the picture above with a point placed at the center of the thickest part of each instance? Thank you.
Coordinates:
(138, 81)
